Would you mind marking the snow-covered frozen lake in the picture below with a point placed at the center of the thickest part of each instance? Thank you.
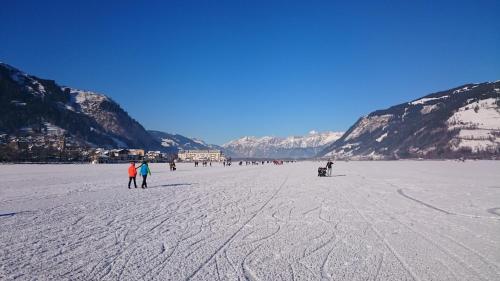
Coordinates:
(403, 220)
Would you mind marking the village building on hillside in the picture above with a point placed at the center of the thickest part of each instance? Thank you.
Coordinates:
(126, 154)
(155, 156)
(136, 154)
(201, 155)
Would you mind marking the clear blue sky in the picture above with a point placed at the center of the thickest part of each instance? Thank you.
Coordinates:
(219, 70)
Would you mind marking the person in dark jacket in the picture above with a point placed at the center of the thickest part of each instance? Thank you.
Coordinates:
(329, 167)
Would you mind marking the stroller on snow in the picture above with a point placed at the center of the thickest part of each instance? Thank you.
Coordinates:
(321, 172)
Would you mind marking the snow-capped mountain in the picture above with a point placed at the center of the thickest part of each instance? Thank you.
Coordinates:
(278, 147)
(31, 105)
(178, 142)
(460, 122)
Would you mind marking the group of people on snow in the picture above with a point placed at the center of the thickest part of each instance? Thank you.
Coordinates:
(143, 170)
(326, 171)
(204, 163)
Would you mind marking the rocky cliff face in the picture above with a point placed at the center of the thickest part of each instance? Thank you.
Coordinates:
(126, 131)
(460, 122)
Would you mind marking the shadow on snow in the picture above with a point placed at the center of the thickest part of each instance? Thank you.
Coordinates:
(171, 185)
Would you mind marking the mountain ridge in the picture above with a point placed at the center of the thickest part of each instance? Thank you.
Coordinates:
(460, 122)
(33, 107)
(280, 147)
(37, 109)
(180, 142)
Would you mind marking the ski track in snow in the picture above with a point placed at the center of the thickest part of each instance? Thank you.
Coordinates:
(402, 220)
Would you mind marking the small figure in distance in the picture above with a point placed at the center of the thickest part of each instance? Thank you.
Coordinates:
(132, 174)
(329, 167)
(145, 171)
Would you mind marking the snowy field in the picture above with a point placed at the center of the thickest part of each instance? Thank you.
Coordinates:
(400, 220)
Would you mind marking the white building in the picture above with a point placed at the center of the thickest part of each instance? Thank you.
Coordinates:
(201, 155)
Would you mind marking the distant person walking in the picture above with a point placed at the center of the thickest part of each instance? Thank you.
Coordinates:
(329, 167)
(132, 174)
(145, 171)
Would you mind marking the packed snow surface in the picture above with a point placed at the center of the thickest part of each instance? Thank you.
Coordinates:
(404, 220)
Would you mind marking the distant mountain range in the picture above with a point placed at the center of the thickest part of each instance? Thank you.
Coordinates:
(460, 122)
(35, 108)
(276, 147)
(179, 142)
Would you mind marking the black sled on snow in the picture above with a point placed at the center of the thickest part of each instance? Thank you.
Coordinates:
(321, 172)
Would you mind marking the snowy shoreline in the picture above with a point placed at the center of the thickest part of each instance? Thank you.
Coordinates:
(235, 160)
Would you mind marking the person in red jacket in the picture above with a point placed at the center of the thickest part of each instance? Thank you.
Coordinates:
(132, 173)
